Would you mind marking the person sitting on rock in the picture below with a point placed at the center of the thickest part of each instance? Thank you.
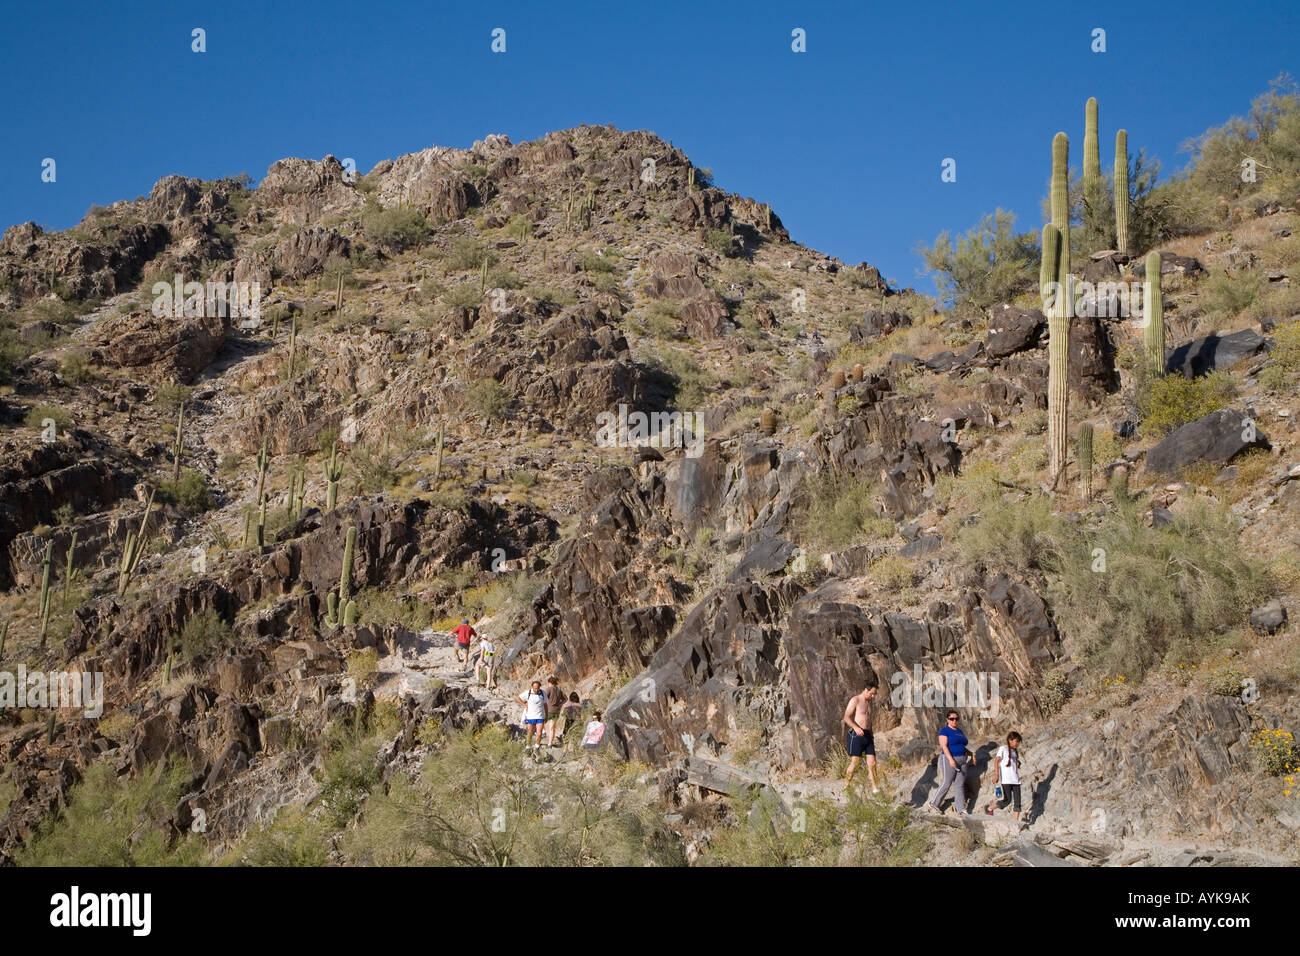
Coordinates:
(1006, 776)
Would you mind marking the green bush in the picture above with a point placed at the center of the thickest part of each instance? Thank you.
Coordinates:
(476, 803)
(203, 635)
(682, 376)
(720, 241)
(488, 399)
(814, 832)
(114, 821)
(988, 265)
(190, 493)
(840, 511)
(1286, 347)
(293, 838)
(1168, 401)
(467, 254)
(396, 228)
(1125, 595)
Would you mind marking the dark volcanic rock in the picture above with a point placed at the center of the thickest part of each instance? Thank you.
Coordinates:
(1213, 352)
(1218, 437)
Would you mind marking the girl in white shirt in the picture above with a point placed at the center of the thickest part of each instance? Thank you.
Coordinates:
(1007, 775)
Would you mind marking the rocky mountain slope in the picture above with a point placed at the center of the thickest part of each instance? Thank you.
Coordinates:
(855, 487)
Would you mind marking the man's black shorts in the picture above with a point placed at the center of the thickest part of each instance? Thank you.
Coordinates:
(860, 746)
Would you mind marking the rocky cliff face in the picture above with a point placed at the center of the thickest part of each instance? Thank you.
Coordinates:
(450, 327)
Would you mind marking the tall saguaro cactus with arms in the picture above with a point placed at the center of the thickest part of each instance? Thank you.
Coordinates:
(1056, 268)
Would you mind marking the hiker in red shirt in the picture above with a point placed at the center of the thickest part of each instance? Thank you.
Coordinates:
(464, 634)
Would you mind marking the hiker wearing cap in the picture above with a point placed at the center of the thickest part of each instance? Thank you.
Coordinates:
(464, 634)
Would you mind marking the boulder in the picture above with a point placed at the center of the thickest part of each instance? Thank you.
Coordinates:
(1218, 437)
(1012, 329)
(1268, 618)
(1213, 352)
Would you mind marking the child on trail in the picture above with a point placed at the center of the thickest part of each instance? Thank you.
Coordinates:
(1006, 776)
(534, 701)
(486, 652)
(591, 739)
(464, 634)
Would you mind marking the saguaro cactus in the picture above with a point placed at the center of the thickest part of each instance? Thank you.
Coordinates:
(4, 635)
(1153, 317)
(437, 468)
(1121, 192)
(350, 614)
(1085, 460)
(345, 576)
(1061, 211)
(134, 548)
(838, 379)
(261, 522)
(1091, 148)
(178, 446)
(69, 572)
(1058, 319)
(1057, 349)
(333, 474)
(45, 589)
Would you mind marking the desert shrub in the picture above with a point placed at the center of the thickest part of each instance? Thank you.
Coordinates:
(37, 414)
(475, 803)
(989, 264)
(893, 573)
(1275, 751)
(1123, 594)
(841, 510)
(1286, 347)
(465, 295)
(681, 375)
(663, 318)
(488, 399)
(1168, 401)
(868, 832)
(1226, 681)
(203, 635)
(374, 467)
(467, 254)
(117, 821)
(189, 493)
(350, 770)
(1227, 295)
(598, 262)
(1054, 692)
(396, 228)
(76, 369)
(720, 241)
(292, 838)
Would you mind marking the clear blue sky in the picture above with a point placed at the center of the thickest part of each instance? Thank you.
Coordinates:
(845, 141)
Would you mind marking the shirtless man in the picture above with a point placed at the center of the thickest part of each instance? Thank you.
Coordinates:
(857, 739)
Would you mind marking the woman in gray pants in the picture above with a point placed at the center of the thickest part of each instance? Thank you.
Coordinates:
(955, 758)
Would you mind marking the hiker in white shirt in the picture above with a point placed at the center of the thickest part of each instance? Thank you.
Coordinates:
(1006, 776)
(534, 701)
